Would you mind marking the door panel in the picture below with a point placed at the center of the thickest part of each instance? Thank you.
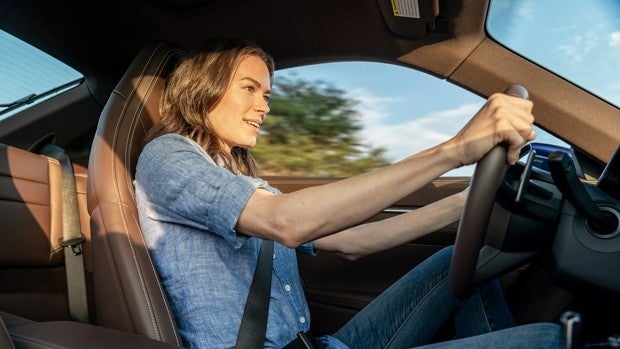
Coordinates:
(336, 288)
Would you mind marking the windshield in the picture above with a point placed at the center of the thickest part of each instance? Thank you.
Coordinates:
(578, 40)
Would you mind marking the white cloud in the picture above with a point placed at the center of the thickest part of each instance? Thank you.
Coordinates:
(526, 12)
(613, 92)
(372, 107)
(614, 39)
(407, 138)
(579, 45)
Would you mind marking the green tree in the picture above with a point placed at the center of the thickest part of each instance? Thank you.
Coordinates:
(313, 129)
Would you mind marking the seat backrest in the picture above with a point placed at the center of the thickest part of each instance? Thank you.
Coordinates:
(31, 282)
(32, 276)
(128, 294)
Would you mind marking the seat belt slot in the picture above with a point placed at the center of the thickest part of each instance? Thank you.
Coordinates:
(74, 243)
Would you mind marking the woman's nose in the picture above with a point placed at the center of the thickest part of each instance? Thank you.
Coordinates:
(263, 105)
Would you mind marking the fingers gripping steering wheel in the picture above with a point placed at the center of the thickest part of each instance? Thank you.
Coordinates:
(473, 225)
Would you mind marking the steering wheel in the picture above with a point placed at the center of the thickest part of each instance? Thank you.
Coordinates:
(472, 229)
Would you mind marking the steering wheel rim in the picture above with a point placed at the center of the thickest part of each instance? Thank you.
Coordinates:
(472, 229)
(475, 219)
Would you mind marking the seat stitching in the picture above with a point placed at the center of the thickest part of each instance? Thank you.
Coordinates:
(117, 194)
(129, 183)
(118, 200)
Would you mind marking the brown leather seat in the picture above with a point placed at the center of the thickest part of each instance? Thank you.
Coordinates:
(31, 258)
(128, 295)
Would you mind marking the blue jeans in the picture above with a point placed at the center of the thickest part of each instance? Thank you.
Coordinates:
(411, 311)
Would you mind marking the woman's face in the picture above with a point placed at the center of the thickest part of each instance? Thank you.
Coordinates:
(237, 117)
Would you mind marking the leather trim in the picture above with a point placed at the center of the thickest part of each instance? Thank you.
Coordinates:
(129, 295)
(30, 210)
(68, 334)
(5, 339)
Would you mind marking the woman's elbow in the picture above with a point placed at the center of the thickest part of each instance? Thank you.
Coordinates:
(289, 240)
(288, 233)
(349, 256)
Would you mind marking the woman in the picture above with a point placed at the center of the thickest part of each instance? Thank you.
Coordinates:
(203, 212)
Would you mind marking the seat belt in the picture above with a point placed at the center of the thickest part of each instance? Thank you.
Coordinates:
(72, 237)
(253, 328)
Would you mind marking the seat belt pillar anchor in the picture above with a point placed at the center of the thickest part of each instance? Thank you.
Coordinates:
(75, 244)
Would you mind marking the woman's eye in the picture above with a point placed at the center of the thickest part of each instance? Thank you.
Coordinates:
(249, 88)
(267, 98)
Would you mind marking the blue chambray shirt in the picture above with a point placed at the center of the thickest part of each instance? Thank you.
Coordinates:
(188, 208)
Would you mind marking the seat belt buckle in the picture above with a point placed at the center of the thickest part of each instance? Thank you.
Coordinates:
(571, 329)
(304, 340)
(74, 243)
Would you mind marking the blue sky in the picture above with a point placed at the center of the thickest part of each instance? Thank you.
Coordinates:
(405, 110)
(580, 39)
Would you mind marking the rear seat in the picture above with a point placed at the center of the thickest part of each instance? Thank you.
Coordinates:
(34, 310)
(32, 276)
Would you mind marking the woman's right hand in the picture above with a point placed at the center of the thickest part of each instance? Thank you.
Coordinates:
(502, 118)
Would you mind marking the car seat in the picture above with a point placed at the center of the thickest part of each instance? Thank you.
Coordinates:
(128, 294)
(32, 275)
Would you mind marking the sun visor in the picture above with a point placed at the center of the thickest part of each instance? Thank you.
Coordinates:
(409, 18)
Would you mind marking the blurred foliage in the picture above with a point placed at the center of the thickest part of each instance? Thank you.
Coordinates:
(313, 130)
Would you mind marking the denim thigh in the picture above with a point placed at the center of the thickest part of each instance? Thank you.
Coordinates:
(409, 312)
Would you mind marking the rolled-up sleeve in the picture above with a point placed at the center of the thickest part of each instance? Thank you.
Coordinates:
(183, 185)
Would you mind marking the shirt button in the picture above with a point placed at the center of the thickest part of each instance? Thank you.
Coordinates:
(287, 288)
(274, 256)
(302, 320)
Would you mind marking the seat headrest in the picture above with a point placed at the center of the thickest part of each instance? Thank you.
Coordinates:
(130, 112)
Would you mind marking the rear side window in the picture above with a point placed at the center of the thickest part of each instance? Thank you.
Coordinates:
(29, 75)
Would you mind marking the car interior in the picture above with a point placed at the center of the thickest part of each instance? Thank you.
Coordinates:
(555, 249)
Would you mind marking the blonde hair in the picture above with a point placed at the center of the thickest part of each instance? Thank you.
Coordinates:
(194, 89)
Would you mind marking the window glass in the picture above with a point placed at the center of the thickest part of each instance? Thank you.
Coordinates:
(342, 119)
(577, 40)
(29, 75)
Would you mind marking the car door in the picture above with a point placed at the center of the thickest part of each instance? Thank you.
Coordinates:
(337, 288)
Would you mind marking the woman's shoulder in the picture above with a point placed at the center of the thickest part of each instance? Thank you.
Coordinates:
(170, 141)
(173, 157)
(174, 149)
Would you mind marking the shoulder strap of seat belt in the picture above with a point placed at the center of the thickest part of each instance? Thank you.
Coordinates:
(253, 327)
(72, 238)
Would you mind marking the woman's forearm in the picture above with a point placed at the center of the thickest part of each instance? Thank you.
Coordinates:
(311, 213)
(372, 237)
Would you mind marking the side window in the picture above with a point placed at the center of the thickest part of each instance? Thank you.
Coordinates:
(342, 119)
(29, 76)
